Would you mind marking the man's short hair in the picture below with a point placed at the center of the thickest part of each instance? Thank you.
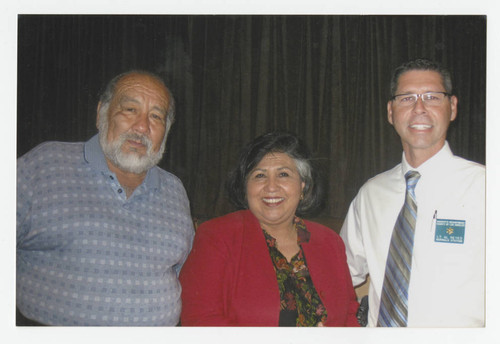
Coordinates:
(109, 91)
(423, 65)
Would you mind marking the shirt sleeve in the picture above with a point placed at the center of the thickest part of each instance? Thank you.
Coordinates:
(179, 265)
(189, 237)
(24, 195)
(352, 309)
(353, 240)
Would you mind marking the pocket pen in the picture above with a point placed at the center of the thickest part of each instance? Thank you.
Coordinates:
(434, 217)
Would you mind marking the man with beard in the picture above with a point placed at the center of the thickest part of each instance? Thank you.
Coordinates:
(102, 232)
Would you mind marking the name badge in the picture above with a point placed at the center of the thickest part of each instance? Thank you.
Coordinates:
(450, 231)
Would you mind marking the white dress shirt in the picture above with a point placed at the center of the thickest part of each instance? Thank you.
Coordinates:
(447, 276)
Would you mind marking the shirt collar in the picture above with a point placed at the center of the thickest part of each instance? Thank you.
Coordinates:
(303, 235)
(94, 156)
(433, 164)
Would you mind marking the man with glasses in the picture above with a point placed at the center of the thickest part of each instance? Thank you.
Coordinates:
(418, 230)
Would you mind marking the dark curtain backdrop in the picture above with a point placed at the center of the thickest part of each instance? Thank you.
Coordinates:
(324, 78)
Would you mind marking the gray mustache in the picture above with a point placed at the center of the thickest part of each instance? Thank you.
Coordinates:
(143, 139)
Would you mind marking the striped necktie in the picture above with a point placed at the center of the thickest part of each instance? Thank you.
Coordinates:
(394, 301)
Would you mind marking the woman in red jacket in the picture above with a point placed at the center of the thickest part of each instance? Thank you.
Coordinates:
(265, 266)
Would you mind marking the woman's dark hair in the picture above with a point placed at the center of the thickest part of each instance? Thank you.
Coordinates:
(276, 142)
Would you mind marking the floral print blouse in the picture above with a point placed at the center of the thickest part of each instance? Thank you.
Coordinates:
(300, 303)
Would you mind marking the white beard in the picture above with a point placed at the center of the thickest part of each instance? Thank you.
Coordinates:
(132, 162)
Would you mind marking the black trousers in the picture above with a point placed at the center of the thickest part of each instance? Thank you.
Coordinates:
(21, 320)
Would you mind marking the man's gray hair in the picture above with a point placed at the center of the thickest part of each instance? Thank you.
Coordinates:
(109, 91)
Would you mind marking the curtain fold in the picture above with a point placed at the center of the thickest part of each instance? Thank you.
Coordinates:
(325, 78)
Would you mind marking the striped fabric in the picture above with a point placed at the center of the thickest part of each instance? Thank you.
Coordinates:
(394, 302)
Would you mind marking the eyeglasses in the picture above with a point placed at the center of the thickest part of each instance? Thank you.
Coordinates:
(429, 98)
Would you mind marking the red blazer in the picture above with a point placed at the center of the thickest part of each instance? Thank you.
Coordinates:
(229, 278)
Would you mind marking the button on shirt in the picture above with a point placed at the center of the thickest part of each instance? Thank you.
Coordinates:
(447, 278)
(87, 255)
